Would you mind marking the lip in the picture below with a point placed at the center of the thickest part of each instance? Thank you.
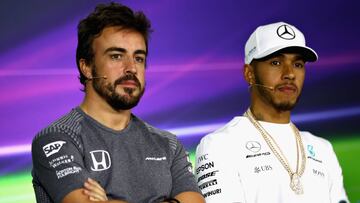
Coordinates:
(288, 88)
(129, 83)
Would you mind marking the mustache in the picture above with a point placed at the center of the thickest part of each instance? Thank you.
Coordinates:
(126, 78)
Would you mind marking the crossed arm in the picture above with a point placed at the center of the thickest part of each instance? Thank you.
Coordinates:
(93, 192)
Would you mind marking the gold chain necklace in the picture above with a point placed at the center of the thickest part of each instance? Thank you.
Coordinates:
(295, 183)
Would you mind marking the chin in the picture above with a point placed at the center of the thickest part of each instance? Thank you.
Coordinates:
(285, 106)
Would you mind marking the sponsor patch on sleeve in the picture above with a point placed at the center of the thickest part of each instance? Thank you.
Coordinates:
(64, 159)
(53, 148)
(68, 171)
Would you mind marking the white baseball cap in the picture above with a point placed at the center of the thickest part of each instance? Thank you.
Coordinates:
(271, 38)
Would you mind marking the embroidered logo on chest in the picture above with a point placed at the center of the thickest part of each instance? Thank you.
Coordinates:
(100, 160)
(163, 158)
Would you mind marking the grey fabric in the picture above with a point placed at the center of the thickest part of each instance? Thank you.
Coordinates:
(138, 164)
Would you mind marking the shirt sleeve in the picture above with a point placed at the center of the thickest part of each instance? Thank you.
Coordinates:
(58, 165)
(216, 173)
(336, 187)
(182, 177)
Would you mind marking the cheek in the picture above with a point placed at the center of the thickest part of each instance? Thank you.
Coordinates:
(301, 78)
(141, 76)
(271, 78)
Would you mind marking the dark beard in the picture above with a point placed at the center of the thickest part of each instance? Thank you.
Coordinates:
(115, 100)
(279, 106)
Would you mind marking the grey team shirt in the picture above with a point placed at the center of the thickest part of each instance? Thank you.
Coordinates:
(138, 164)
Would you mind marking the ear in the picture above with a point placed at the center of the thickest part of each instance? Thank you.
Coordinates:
(85, 68)
(249, 74)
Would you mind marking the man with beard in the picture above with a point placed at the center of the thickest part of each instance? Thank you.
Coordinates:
(261, 156)
(100, 151)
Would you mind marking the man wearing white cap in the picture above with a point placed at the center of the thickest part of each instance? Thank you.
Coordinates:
(261, 156)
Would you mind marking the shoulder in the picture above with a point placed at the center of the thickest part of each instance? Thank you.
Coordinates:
(227, 134)
(318, 147)
(67, 127)
(162, 134)
(315, 140)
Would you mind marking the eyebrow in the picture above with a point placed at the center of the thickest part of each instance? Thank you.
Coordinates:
(119, 49)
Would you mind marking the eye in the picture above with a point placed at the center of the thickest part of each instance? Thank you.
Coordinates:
(299, 65)
(139, 59)
(275, 63)
(116, 56)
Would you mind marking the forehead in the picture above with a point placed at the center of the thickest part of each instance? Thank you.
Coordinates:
(127, 39)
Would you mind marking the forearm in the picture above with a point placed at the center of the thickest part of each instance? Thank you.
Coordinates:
(190, 197)
(78, 196)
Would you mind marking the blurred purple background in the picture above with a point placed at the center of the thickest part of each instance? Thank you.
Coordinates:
(194, 76)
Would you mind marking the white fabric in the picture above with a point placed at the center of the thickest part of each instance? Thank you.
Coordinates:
(227, 171)
(270, 38)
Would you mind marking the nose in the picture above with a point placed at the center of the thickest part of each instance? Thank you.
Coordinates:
(129, 66)
(288, 72)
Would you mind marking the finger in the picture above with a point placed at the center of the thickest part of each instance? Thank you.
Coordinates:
(95, 183)
(94, 188)
(95, 196)
(94, 191)
(93, 199)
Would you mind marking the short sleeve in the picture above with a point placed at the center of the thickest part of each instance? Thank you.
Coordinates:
(216, 175)
(58, 166)
(181, 170)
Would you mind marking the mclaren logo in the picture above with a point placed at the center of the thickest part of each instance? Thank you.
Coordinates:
(253, 146)
(286, 32)
(101, 160)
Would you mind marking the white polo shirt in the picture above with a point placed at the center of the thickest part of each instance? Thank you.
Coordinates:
(235, 164)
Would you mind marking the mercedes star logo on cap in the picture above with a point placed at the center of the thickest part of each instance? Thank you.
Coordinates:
(285, 32)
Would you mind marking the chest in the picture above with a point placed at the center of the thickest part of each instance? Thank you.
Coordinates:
(135, 168)
(263, 174)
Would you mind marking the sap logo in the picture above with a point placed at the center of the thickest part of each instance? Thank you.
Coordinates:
(204, 167)
(202, 158)
(53, 148)
(101, 160)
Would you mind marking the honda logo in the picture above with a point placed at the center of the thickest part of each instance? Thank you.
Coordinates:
(101, 160)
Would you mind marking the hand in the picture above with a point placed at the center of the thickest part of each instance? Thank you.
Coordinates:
(94, 191)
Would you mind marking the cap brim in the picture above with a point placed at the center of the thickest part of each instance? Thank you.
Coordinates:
(308, 53)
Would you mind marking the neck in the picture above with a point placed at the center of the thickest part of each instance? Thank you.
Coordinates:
(269, 113)
(96, 107)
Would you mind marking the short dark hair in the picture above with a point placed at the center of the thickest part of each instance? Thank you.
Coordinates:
(107, 15)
